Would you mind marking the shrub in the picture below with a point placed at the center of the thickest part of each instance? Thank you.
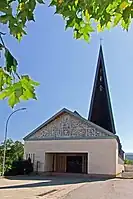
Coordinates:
(128, 162)
(20, 167)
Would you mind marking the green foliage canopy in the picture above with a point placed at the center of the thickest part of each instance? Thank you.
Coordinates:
(83, 16)
(129, 162)
(15, 150)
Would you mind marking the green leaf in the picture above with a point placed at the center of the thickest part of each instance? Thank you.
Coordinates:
(126, 14)
(4, 18)
(24, 97)
(40, 1)
(86, 37)
(132, 14)
(125, 25)
(123, 5)
(19, 36)
(32, 5)
(25, 77)
(77, 35)
(13, 100)
(29, 94)
(28, 87)
(8, 80)
(21, 6)
(19, 92)
(1, 80)
(87, 15)
(34, 83)
(30, 16)
(7, 9)
(3, 95)
(117, 19)
(70, 23)
(99, 28)
(1, 46)
(11, 62)
(77, 26)
(18, 89)
(88, 28)
(53, 3)
(76, 2)
(108, 25)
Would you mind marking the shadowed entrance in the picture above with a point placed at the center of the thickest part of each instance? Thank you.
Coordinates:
(74, 164)
(66, 162)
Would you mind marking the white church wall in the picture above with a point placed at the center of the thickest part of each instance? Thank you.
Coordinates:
(101, 153)
(119, 163)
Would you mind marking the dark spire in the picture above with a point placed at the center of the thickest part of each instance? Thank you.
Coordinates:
(100, 108)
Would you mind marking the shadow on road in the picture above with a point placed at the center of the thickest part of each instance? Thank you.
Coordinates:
(47, 181)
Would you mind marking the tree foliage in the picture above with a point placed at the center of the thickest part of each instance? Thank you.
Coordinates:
(87, 16)
(15, 150)
(129, 162)
(83, 16)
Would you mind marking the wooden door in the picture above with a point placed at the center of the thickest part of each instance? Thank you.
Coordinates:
(60, 163)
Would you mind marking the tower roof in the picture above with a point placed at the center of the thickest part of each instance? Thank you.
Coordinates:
(100, 108)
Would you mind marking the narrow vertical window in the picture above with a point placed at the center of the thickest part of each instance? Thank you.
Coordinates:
(101, 87)
(33, 158)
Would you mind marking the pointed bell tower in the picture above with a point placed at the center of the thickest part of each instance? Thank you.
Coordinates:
(100, 108)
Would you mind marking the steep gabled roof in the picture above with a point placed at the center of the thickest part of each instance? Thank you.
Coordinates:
(100, 108)
(58, 114)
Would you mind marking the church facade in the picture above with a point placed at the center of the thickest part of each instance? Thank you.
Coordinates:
(69, 143)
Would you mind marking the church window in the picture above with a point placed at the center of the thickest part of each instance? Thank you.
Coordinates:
(100, 78)
(101, 87)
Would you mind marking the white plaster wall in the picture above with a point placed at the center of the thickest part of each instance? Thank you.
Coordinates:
(101, 152)
(39, 155)
(48, 162)
(119, 164)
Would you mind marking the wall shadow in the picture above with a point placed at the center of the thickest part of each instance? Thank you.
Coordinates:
(47, 181)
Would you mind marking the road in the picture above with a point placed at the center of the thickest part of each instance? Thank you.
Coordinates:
(65, 188)
(112, 189)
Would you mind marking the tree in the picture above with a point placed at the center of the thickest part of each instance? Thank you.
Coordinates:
(129, 162)
(83, 16)
(15, 151)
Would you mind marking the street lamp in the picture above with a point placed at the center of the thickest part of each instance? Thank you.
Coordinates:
(5, 137)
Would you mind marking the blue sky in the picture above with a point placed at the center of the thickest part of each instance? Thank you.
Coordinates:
(65, 69)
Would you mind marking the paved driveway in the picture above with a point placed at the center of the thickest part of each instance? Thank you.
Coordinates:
(65, 188)
(112, 189)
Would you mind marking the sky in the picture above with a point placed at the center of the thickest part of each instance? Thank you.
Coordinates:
(65, 68)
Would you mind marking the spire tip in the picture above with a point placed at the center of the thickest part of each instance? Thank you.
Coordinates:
(101, 39)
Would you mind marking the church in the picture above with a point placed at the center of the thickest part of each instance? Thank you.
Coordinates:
(69, 143)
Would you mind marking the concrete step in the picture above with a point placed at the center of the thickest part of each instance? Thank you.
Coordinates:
(127, 175)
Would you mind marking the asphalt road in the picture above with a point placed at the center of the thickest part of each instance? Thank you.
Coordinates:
(65, 188)
(111, 189)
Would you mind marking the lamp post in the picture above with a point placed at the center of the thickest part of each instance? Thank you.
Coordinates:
(5, 137)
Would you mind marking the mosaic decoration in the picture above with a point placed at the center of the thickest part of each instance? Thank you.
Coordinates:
(67, 126)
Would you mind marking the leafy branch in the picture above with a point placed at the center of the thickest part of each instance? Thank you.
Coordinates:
(87, 16)
(13, 86)
(83, 16)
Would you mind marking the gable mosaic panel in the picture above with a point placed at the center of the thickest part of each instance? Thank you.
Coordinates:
(67, 126)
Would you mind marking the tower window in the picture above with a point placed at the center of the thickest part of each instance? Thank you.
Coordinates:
(100, 78)
(101, 87)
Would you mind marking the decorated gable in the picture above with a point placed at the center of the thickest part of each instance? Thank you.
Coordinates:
(67, 126)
